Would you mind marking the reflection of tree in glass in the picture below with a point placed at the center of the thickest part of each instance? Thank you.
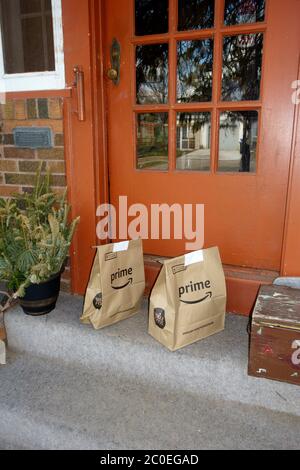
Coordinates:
(151, 17)
(152, 73)
(152, 134)
(244, 11)
(194, 120)
(195, 65)
(242, 65)
(195, 14)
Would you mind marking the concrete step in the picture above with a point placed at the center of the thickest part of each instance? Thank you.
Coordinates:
(48, 404)
(215, 368)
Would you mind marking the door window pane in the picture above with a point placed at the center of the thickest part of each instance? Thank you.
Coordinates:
(152, 141)
(152, 73)
(195, 69)
(244, 11)
(195, 14)
(238, 141)
(151, 17)
(193, 141)
(27, 36)
(242, 67)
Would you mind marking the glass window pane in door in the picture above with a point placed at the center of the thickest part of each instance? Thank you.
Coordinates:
(195, 14)
(151, 17)
(238, 141)
(152, 74)
(152, 141)
(242, 67)
(194, 71)
(193, 139)
(244, 11)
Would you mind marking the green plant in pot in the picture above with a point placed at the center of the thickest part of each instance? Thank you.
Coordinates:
(35, 238)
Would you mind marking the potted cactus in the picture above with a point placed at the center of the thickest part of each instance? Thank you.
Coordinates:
(35, 237)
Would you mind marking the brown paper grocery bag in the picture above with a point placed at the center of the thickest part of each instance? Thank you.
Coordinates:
(116, 285)
(2, 353)
(188, 301)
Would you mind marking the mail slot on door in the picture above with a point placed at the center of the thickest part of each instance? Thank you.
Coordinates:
(275, 335)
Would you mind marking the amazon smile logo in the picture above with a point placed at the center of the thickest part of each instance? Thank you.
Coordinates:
(130, 281)
(191, 302)
(195, 287)
(119, 276)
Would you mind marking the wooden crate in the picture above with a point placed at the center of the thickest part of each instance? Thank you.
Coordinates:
(275, 335)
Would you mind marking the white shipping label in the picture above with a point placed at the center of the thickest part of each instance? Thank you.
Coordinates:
(194, 257)
(122, 246)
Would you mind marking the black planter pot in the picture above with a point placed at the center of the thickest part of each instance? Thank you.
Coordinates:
(41, 299)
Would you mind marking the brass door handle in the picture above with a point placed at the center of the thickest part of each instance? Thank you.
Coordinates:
(112, 74)
(79, 85)
(115, 58)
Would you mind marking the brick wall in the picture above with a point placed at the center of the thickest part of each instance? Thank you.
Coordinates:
(18, 165)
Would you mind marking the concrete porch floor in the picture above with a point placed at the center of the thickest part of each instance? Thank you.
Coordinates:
(67, 386)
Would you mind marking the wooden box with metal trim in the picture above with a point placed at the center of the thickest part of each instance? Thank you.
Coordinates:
(275, 335)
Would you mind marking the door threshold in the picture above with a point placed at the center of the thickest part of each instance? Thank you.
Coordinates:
(242, 283)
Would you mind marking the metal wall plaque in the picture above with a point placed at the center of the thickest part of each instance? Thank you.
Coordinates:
(33, 137)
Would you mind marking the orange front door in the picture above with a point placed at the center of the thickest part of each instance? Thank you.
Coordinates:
(203, 113)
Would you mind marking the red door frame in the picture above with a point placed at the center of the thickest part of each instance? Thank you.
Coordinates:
(87, 170)
(85, 142)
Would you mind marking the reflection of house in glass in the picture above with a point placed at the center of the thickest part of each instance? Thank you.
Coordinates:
(237, 142)
(193, 141)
